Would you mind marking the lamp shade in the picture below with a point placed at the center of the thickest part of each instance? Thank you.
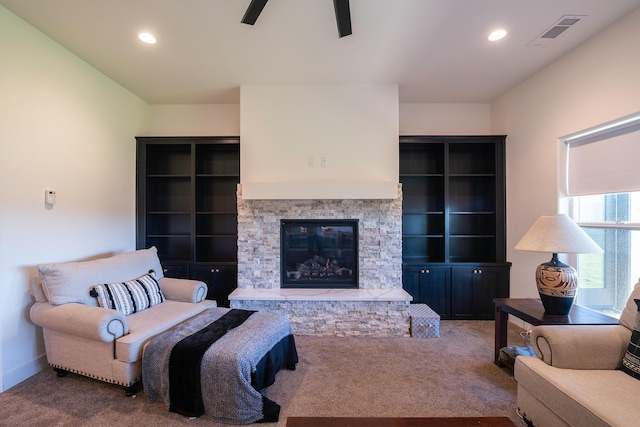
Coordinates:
(557, 234)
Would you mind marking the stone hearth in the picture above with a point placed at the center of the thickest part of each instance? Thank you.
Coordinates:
(380, 307)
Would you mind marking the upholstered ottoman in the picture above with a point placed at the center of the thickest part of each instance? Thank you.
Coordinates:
(425, 323)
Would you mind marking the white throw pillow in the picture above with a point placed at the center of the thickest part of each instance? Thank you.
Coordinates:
(71, 281)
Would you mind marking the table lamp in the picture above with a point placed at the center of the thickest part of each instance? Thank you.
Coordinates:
(557, 282)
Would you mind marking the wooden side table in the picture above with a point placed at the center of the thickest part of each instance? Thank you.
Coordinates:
(531, 311)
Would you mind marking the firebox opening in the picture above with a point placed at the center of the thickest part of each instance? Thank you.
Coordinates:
(319, 253)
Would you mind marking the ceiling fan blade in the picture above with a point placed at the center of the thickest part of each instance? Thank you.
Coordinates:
(343, 17)
(253, 11)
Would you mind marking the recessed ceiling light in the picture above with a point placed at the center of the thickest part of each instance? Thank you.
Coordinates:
(147, 38)
(497, 35)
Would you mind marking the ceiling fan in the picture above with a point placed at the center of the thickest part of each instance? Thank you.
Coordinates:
(343, 14)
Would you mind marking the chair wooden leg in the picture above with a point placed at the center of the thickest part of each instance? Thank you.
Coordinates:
(60, 372)
(132, 390)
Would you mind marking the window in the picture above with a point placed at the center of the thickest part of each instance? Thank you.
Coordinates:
(604, 185)
(613, 221)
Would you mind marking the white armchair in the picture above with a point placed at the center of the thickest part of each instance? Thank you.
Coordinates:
(577, 380)
(104, 343)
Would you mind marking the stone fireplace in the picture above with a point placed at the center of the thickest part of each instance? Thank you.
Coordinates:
(377, 307)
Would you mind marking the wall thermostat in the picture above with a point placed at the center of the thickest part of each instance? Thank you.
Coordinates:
(50, 197)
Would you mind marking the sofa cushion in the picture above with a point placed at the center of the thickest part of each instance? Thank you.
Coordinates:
(631, 360)
(581, 397)
(630, 311)
(131, 296)
(148, 323)
(70, 282)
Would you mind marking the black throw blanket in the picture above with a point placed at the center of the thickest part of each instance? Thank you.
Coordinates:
(185, 393)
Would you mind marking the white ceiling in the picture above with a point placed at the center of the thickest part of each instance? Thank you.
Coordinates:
(436, 51)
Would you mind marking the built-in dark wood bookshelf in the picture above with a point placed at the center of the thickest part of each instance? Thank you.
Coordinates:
(453, 223)
(453, 216)
(186, 207)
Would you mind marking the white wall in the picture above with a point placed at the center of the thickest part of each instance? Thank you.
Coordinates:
(595, 83)
(192, 120)
(64, 126)
(315, 142)
(445, 119)
(224, 120)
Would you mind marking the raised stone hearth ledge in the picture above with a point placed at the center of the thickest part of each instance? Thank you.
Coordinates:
(333, 312)
(289, 294)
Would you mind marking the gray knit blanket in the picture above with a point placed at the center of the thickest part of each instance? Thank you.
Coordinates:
(226, 368)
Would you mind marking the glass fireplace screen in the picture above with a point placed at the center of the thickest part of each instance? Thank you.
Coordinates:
(319, 253)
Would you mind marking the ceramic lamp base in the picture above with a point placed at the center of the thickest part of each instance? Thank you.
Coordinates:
(557, 285)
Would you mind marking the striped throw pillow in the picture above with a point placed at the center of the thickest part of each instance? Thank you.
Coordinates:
(631, 361)
(130, 297)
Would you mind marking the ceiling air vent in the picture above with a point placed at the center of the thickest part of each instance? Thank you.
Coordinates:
(556, 29)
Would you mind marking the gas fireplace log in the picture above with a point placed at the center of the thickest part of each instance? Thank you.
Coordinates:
(319, 268)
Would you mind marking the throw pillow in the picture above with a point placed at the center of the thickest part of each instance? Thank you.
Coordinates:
(71, 281)
(130, 297)
(629, 313)
(631, 361)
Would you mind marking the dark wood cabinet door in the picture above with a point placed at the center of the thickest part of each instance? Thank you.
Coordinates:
(221, 280)
(473, 289)
(429, 285)
(462, 291)
(489, 283)
(226, 280)
(435, 289)
(178, 271)
(411, 281)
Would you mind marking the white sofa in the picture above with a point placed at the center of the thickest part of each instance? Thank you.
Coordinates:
(576, 379)
(103, 343)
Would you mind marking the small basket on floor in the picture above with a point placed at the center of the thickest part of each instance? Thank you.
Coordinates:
(508, 354)
(425, 323)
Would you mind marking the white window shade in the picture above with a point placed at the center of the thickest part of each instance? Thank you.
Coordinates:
(605, 161)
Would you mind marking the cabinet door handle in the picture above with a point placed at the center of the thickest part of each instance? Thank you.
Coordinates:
(215, 270)
(427, 271)
(164, 270)
(477, 271)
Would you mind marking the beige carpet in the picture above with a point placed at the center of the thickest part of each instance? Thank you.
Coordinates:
(453, 375)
